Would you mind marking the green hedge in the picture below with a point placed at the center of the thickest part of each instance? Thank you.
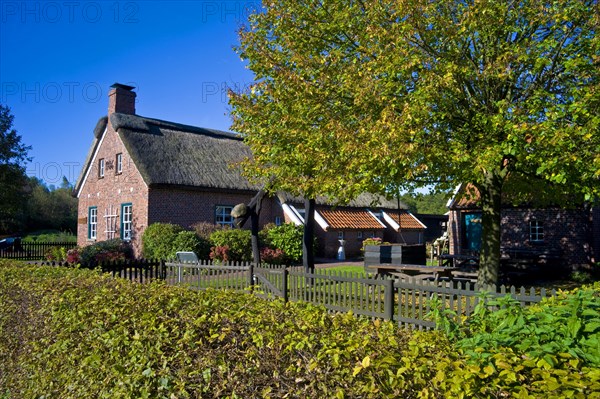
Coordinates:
(69, 333)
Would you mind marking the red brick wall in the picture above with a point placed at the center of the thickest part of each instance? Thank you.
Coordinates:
(187, 207)
(567, 230)
(111, 191)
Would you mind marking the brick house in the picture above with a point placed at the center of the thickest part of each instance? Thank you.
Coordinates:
(142, 170)
(571, 234)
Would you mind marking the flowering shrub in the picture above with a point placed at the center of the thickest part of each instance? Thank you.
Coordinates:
(372, 241)
(219, 253)
(73, 255)
(272, 256)
(108, 250)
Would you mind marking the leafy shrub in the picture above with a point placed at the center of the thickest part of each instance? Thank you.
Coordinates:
(186, 241)
(157, 240)
(219, 254)
(238, 241)
(57, 254)
(73, 255)
(204, 229)
(565, 326)
(288, 238)
(104, 251)
(72, 333)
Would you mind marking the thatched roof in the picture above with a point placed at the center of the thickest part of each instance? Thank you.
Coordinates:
(172, 154)
(365, 200)
(168, 153)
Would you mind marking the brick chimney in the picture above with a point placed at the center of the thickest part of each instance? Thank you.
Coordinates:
(121, 99)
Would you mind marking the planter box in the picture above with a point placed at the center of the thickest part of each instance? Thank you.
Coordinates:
(395, 254)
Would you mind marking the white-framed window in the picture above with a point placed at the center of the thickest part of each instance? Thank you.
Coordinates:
(101, 168)
(278, 221)
(223, 215)
(536, 231)
(359, 235)
(119, 162)
(126, 221)
(340, 235)
(92, 222)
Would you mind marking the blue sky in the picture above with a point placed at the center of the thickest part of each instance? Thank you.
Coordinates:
(59, 58)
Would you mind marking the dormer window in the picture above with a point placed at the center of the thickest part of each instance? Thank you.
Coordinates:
(101, 168)
(119, 162)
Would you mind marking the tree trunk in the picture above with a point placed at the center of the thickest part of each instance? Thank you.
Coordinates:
(308, 256)
(491, 205)
(254, 229)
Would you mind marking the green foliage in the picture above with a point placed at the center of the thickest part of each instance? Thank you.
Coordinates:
(102, 251)
(69, 333)
(13, 156)
(370, 96)
(51, 207)
(289, 238)
(157, 240)
(58, 254)
(237, 241)
(563, 327)
(50, 236)
(188, 241)
(429, 204)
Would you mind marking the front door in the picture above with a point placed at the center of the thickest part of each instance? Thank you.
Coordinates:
(472, 228)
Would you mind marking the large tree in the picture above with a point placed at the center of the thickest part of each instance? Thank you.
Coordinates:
(360, 96)
(13, 182)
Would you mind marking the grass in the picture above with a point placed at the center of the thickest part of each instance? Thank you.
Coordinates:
(347, 269)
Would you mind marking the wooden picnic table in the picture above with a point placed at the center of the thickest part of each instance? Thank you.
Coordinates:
(447, 260)
(414, 271)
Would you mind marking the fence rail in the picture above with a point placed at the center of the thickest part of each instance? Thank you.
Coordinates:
(32, 250)
(406, 301)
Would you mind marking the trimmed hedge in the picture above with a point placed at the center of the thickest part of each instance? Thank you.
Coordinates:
(69, 333)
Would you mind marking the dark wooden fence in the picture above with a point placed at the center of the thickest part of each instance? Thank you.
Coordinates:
(406, 301)
(32, 250)
(141, 270)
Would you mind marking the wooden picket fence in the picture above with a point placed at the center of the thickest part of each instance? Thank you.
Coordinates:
(409, 302)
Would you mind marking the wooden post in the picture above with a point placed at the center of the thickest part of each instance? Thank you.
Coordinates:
(308, 257)
(389, 300)
(251, 275)
(285, 285)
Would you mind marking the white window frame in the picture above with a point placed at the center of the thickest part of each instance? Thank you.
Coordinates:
(126, 221)
(101, 168)
(359, 235)
(92, 222)
(223, 215)
(341, 235)
(278, 221)
(119, 162)
(536, 231)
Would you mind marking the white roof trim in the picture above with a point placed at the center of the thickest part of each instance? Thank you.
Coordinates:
(92, 162)
(452, 199)
(321, 221)
(417, 219)
(292, 214)
(395, 224)
(376, 218)
(390, 221)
